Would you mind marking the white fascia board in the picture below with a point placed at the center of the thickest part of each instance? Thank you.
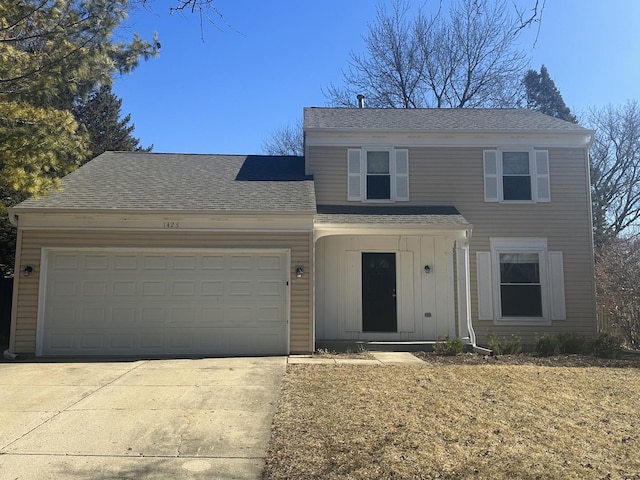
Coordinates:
(344, 138)
(165, 221)
(329, 229)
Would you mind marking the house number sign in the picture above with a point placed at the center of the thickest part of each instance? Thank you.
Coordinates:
(171, 224)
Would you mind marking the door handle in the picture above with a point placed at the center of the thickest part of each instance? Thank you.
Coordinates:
(393, 295)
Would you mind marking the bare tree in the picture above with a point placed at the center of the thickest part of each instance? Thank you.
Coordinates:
(466, 59)
(618, 289)
(288, 140)
(615, 170)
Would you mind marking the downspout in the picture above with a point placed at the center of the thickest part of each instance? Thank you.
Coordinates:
(8, 353)
(464, 287)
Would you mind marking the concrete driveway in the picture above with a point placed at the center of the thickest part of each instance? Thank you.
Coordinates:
(146, 419)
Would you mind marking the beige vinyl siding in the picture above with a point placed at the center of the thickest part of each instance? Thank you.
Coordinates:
(25, 309)
(454, 176)
(328, 165)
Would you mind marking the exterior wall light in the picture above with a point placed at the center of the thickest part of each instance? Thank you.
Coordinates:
(427, 269)
(27, 270)
(299, 271)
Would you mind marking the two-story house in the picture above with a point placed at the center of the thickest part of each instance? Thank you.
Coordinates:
(397, 225)
(449, 222)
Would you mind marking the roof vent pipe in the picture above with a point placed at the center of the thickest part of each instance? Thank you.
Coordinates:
(360, 100)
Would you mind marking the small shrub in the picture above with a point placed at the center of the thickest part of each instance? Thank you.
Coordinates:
(450, 347)
(325, 352)
(548, 345)
(504, 345)
(607, 346)
(571, 343)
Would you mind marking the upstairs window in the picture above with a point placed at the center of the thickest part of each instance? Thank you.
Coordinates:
(516, 176)
(378, 172)
(378, 175)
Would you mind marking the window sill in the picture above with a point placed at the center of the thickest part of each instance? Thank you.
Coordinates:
(522, 321)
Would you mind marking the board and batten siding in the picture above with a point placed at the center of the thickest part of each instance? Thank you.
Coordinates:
(32, 242)
(454, 176)
(426, 303)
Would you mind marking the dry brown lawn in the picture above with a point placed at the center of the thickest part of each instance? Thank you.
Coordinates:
(468, 417)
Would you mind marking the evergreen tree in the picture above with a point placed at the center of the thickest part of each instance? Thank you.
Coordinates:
(52, 52)
(544, 97)
(100, 115)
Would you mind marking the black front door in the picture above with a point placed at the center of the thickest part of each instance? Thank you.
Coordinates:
(379, 292)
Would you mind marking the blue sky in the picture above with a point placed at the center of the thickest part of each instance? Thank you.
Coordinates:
(226, 89)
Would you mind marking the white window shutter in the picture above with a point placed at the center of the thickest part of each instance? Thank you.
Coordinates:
(543, 189)
(402, 175)
(556, 284)
(485, 286)
(491, 193)
(354, 174)
(353, 320)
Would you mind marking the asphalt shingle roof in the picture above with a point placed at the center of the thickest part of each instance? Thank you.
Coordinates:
(180, 182)
(437, 120)
(409, 215)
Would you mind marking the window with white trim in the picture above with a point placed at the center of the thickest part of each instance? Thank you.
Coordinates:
(377, 174)
(520, 282)
(516, 175)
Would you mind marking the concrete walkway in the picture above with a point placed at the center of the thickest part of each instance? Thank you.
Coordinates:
(379, 358)
(158, 419)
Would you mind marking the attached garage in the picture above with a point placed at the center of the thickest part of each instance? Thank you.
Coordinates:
(164, 302)
(141, 254)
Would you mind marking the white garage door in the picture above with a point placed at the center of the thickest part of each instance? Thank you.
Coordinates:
(164, 303)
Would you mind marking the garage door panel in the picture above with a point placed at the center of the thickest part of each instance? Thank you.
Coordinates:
(185, 288)
(154, 262)
(92, 316)
(92, 341)
(125, 262)
(63, 288)
(152, 316)
(94, 289)
(241, 262)
(213, 262)
(124, 288)
(66, 262)
(269, 288)
(215, 289)
(184, 262)
(154, 289)
(112, 303)
(244, 287)
(62, 341)
(96, 262)
(122, 316)
(151, 341)
(266, 314)
(269, 263)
